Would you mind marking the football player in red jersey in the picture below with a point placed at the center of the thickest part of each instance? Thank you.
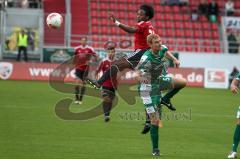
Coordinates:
(141, 30)
(83, 54)
(109, 86)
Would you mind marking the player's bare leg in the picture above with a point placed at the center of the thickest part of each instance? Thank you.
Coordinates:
(236, 139)
(178, 84)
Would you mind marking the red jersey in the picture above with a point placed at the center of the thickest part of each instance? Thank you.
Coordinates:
(83, 55)
(143, 30)
(104, 66)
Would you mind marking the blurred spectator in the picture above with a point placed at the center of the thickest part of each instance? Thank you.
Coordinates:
(203, 8)
(232, 44)
(170, 2)
(183, 2)
(194, 15)
(229, 8)
(213, 11)
(22, 45)
(233, 74)
(34, 4)
(24, 3)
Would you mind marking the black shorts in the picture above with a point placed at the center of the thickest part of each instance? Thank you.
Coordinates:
(81, 74)
(134, 57)
(108, 91)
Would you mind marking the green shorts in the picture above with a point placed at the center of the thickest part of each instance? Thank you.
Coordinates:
(166, 82)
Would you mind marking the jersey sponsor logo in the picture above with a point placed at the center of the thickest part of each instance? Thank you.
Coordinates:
(6, 70)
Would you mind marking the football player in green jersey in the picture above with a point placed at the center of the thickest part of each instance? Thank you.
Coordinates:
(234, 89)
(152, 80)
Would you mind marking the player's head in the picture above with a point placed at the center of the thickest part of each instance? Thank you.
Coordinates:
(111, 52)
(145, 13)
(83, 40)
(154, 41)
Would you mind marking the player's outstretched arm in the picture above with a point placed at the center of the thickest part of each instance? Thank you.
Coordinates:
(234, 86)
(126, 28)
(170, 56)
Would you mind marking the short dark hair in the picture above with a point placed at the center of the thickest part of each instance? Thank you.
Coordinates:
(149, 11)
(110, 48)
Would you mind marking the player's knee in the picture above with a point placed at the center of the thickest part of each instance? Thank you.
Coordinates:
(122, 64)
(155, 122)
(107, 99)
(238, 121)
(184, 82)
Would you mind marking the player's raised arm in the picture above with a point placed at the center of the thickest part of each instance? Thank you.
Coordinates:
(234, 86)
(170, 56)
(126, 28)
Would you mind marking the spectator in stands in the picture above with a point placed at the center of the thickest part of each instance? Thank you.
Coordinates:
(213, 11)
(232, 44)
(22, 42)
(170, 2)
(194, 16)
(233, 74)
(229, 8)
(203, 8)
(183, 2)
(24, 3)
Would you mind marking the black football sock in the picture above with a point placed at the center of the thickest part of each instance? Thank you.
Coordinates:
(83, 89)
(77, 93)
(107, 108)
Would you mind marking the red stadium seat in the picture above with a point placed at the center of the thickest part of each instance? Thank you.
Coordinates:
(197, 34)
(95, 21)
(168, 17)
(167, 9)
(205, 25)
(215, 35)
(179, 33)
(186, 17)
(177, 17)
(197, 25)
(214, 26)
(207, 34)
(160, 24)
(188, 33)
(94, 5)
(187, 25)
(169, 24)
(178, 25)
(175, 9)
(169, 33)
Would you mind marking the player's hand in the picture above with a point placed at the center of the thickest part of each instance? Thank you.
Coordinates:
(112, 17)
(176, 63)
(234, 89)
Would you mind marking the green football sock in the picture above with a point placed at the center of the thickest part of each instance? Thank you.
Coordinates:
(170, 94)
(236, 138)
(154, 136)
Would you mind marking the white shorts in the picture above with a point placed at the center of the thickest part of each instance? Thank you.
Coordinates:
(238, 113)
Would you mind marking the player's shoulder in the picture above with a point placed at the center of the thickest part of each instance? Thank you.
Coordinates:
(90, 48)
(164, 47)
(238, 76)
(144, 23)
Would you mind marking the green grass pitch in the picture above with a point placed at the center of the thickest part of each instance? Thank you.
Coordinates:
(30, 129)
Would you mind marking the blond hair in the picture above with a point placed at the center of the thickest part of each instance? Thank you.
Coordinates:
(150, 38)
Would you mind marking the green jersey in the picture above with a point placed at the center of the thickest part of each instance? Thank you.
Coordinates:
(238, 76)
(152, 66)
